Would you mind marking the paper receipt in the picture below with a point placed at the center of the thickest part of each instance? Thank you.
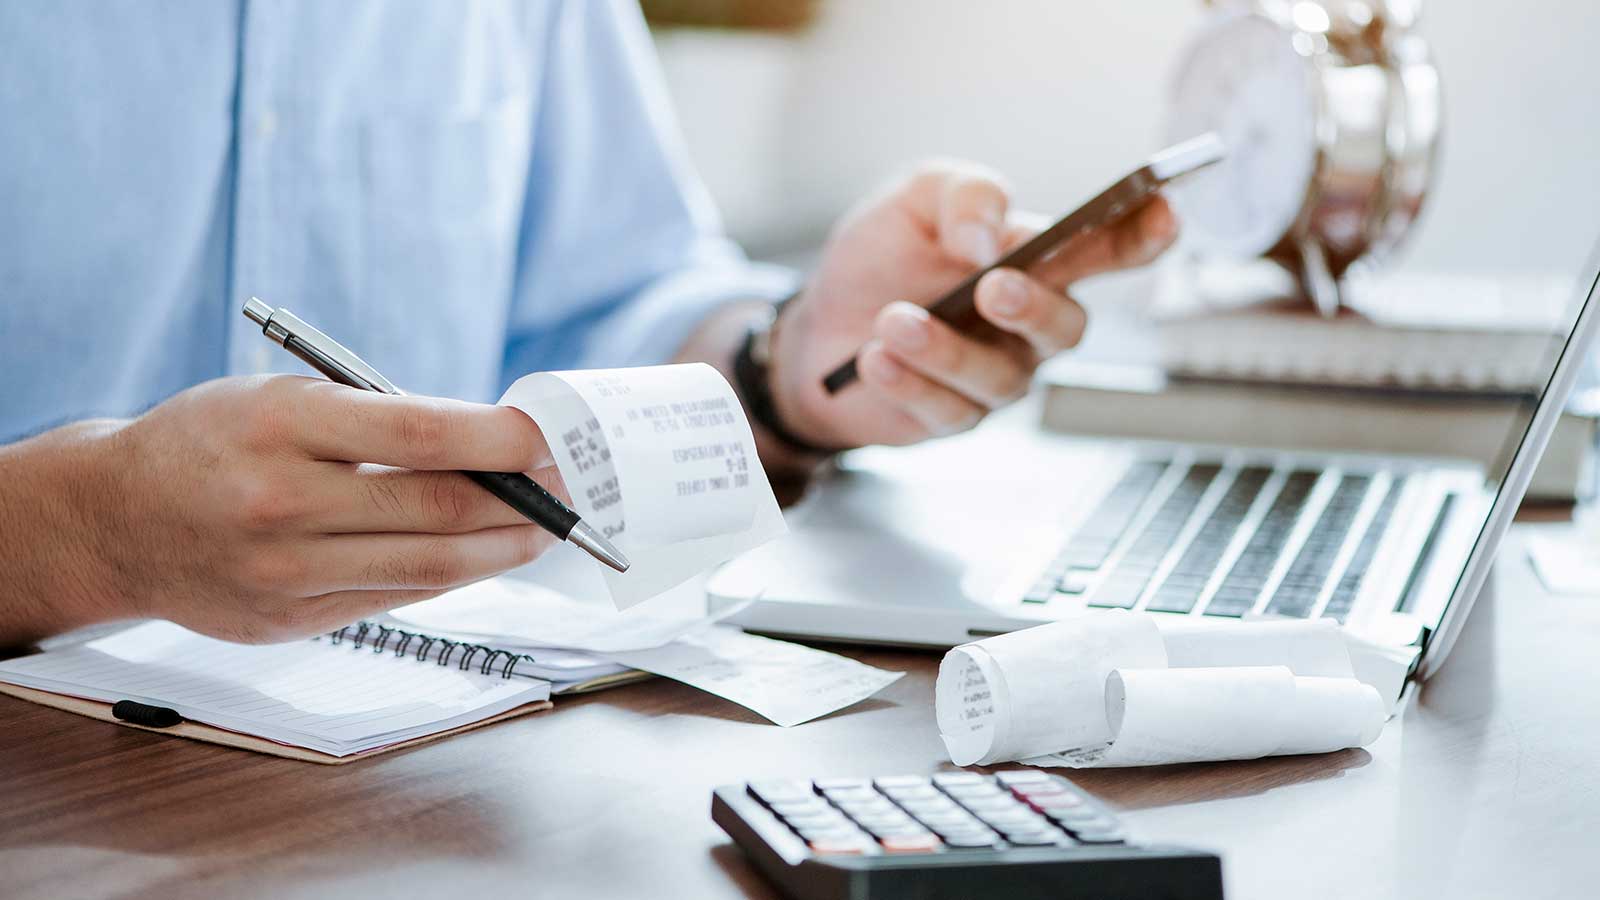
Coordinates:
(1126, 689)
(785, 682)
(660, 460)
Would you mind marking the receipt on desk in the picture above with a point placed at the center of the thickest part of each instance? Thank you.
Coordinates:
(508, 612)
(787, 683)
(661, 461)
(1131, 689)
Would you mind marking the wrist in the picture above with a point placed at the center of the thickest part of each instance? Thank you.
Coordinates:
(57, 573)
(719, 341)
(763, 390)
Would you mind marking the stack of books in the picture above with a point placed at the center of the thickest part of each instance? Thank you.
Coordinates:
(1443, 366)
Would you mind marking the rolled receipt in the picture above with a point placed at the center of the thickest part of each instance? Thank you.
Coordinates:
(1161, 716)
(1039, 690)
(660, 460)
(1119, 689)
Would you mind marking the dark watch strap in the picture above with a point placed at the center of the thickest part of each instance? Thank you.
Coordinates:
(751, 377)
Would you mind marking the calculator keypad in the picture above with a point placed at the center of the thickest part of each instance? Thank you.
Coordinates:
(948, 812)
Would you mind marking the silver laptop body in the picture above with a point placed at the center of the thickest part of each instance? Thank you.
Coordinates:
(985, 533)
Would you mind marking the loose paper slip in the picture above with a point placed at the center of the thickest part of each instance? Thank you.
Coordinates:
(513, 613)
(787, 683)
(661, 461)
(1119, 689)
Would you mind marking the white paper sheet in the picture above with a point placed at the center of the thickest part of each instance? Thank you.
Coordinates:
(787, 683)
(661, 461)
(514, 613)
(1123, 689)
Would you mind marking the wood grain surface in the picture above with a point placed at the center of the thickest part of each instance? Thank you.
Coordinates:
(1486, 786)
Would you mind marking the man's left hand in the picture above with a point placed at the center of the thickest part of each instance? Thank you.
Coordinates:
(896, 254)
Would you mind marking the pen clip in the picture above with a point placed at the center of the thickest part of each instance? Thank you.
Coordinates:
(319, 351)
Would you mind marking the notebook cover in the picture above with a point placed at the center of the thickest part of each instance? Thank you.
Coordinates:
(199, 731)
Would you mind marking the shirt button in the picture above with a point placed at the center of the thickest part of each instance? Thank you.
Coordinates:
(267, 125)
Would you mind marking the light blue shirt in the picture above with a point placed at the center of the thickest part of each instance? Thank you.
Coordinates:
(462, 192)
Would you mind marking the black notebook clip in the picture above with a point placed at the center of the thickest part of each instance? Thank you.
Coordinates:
(144, 714)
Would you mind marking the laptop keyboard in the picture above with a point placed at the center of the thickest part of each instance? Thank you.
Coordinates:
(1177, 537)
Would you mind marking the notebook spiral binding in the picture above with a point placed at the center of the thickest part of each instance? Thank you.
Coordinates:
(381, 636)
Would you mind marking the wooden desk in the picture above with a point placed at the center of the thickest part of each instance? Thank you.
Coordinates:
(1488, 786)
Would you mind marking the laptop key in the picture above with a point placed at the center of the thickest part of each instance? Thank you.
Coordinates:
(1302, 584)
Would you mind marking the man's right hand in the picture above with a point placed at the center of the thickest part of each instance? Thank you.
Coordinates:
(260, 509)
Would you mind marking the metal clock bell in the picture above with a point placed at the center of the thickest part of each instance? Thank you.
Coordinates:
(1331, 113)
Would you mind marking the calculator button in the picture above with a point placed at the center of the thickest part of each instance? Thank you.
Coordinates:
(1015, 820)
(843, 795)
(1105, 836)
(969, 841)
(951, 821)
(982, 805)
(939, 813)
(835, 836)
(949, 779)
(808, 807)
(910, 829)
(781, 790)
(1043, 802)
(919, 792)
(965, 792)
(1041, 788)
(890, 783)
(1036, 837)
(922, 843)
(875, 807)
(1079, 817)
(831, 784)
(840, 847)
(873, 823)
(819, 820)
(1022, 776)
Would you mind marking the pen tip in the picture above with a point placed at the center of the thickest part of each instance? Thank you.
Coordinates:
(595, 544)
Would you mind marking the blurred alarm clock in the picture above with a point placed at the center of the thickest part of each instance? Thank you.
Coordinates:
(1331, 115)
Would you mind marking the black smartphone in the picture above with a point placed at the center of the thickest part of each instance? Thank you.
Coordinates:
(1111, 205)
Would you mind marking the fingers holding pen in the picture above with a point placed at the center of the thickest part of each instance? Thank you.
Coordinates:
(333, 422)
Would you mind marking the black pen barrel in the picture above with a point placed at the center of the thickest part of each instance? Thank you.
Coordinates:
(524, 495)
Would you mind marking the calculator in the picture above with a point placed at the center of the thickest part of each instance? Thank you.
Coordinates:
(1018, 835)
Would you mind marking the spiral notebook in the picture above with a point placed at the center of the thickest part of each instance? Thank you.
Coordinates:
(322, 700)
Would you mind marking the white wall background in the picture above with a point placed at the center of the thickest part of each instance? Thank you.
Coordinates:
(1064, 95)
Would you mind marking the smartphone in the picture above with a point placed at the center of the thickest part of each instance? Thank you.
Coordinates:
(1112, 205)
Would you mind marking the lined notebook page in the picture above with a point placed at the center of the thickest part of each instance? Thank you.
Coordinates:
(309, 694)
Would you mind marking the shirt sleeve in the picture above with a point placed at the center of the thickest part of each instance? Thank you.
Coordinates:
(621, 252)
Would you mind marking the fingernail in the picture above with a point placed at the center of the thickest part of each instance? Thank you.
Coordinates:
(877, 366)
(977, 242)
(906, 326)
(1010, 293)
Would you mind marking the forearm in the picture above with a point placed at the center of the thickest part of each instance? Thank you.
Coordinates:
(716, 340)
(50, 574)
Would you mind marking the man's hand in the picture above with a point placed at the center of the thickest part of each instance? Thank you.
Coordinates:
(905, 249)
(261, 509)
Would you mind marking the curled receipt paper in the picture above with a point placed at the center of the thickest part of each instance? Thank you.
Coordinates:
(661, 461)
(1129, 689)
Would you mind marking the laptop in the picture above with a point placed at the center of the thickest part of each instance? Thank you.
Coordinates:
(1008, 527)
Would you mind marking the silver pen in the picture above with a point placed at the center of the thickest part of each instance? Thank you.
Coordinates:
(520, 492)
